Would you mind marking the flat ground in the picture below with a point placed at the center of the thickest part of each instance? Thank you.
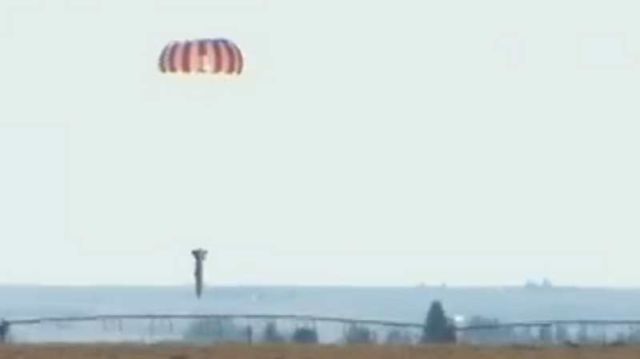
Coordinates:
(305, 352)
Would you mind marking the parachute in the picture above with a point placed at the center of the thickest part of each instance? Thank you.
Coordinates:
(202, 56)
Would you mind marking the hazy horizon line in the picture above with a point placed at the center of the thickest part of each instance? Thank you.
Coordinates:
(320, 286)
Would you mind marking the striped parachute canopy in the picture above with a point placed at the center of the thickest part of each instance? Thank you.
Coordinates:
(204, 56)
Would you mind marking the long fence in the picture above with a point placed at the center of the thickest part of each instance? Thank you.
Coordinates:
(204, 328)
(213, 328)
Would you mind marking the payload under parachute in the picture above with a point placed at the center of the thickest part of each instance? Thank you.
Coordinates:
(199, 255)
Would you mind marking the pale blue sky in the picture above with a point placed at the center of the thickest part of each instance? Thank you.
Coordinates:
(368, 143)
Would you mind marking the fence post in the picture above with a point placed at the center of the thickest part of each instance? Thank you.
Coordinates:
(545, 335)
(249, 334)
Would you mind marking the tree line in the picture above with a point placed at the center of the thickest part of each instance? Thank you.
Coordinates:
(438, 328)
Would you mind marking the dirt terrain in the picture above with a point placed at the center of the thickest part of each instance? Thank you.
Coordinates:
(305, 352)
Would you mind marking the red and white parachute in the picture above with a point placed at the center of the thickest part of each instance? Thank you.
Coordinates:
(204, 56)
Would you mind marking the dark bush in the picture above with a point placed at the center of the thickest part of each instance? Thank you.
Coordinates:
(398, 337)
(305, 336)
(271, 334)
(215, 331)
(359, 335)
(438, 328)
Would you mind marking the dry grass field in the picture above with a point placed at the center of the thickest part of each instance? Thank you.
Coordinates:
(305, 352)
